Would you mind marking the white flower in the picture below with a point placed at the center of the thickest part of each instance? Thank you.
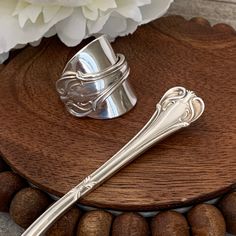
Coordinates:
(27, 21)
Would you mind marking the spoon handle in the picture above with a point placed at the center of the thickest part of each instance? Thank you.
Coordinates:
(177, 109)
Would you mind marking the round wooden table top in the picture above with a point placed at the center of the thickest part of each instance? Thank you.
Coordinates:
(55, 151)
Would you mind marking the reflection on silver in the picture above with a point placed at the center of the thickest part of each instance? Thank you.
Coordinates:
(94, 82)
(177, 109)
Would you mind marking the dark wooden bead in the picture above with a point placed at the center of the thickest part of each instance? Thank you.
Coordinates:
(169, 223)
(130, 224)
(27, 205)
(224, 28)
(228, 208)
(201, 21)
(206, 220)
(95, 223)
(66, 225)
(10, 184)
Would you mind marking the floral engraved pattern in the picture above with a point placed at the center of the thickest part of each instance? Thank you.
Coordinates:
(86, 184)
(82, 92)
(186, 101)
(177, 109)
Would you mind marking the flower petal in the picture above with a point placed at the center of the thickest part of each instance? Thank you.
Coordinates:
(155, 10)
(3, 57)
(130, 12)
(104, 5)
(114, 25)
(143, 2)
(67, 3)
(12, 34)
(96, 26)
(36, 43)
(49, 12)
(72, 30)
(131, 27)
(33, 12)
(22, 20)
(27, 21)
(90, 12)
(19, 6)
(51, 32)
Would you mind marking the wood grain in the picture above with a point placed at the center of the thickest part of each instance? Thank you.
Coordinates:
(55, 151)
(1, 67)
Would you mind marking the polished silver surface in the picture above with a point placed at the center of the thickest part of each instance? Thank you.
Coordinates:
(177, 109)
(95, 83)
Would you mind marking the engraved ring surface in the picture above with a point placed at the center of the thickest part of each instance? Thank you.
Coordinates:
(94, 82)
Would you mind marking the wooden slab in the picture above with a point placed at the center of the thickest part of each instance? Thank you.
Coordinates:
(55, 151)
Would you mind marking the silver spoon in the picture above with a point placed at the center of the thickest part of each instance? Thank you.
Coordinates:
(177, 109)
